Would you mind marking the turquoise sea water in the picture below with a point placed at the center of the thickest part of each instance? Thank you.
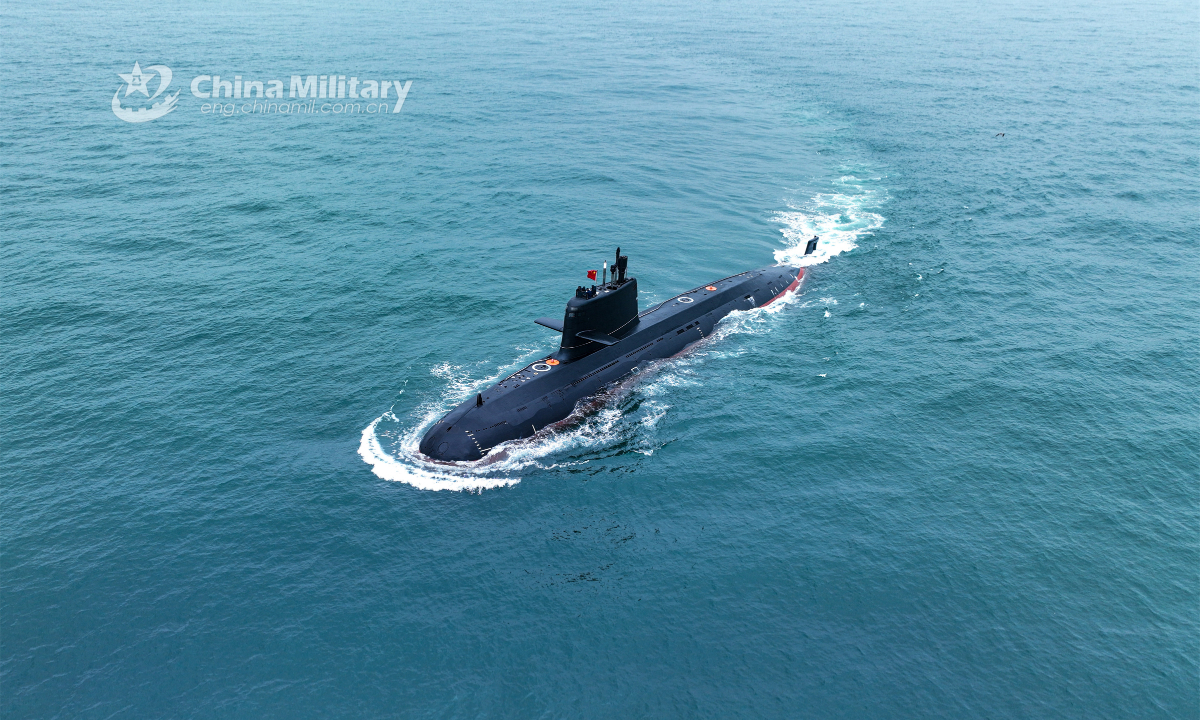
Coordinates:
(955, 477)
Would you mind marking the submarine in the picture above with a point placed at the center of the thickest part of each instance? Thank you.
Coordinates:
(605, 340)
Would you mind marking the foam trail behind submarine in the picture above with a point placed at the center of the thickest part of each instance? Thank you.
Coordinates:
(604, 340)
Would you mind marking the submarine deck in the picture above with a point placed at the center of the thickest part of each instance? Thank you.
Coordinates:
(662, 313)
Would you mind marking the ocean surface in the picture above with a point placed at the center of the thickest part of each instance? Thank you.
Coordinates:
(957, 475)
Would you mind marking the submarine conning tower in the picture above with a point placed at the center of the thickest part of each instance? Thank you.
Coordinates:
(599, 312)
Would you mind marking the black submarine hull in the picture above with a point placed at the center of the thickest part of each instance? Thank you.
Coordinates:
(547, 391)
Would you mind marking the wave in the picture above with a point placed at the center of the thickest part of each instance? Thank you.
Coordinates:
(840, 218)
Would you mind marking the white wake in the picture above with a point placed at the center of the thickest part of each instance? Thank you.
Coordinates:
(839, 218)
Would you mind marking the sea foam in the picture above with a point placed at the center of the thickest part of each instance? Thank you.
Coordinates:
(839, 218)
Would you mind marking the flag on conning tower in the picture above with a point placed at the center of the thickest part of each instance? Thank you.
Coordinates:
(591, 274)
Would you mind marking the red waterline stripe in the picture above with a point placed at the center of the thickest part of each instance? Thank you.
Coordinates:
(788, 289)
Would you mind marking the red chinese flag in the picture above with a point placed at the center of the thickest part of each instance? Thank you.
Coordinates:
(591, 274)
